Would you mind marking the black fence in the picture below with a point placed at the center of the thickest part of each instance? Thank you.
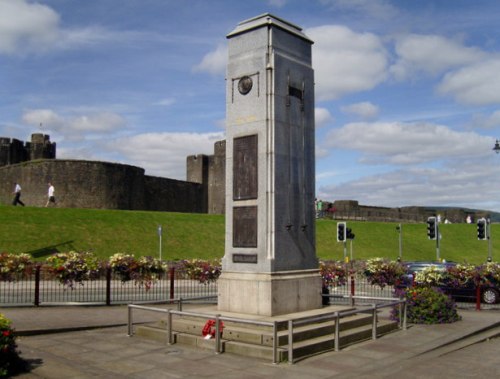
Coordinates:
(41, 288)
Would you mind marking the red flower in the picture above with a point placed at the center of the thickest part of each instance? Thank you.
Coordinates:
(6, 333)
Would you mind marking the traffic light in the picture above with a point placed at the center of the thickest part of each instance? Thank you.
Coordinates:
(341, 231)
(431, 228)
(481, 229)
(349, 234)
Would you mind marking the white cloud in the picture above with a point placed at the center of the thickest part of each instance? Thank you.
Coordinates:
(277, 3)
(381, 9)
(25, 25)
(405, 144)
(74, 127)
(478, 84)
(452, 186)
(322, 117)
(480, 121)
(165, 102)
(432, 54)
(164, 154)
(365, 110)
(214, 62)
(346, 62)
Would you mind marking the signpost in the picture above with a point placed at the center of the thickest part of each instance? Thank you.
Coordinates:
(160, 235)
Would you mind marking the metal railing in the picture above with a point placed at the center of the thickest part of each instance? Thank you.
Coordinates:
(337, 315)
(218, 318)
(40, 287)
(290, 324)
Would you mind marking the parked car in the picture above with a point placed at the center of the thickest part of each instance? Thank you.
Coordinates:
(490, 293)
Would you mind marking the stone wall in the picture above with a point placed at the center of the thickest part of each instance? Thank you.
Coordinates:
(101, 185)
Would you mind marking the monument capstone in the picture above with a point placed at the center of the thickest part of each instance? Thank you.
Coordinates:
(270, 265)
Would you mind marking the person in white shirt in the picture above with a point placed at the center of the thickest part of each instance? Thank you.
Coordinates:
(51, 198)
(17, 195)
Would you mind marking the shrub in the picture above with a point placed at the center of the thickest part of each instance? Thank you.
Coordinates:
(8, 353)
(12, 265)
(70, 268)
(428, 305)
(383, 272)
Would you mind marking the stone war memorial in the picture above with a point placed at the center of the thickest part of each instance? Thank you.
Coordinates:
(270, 266)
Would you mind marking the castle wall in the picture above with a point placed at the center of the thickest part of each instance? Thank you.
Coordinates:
(163, 194)
(78, 184)
(217, 179)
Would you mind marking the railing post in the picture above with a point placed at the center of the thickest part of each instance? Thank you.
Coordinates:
(353, 291)
(337, 331)
(37, 285)
(290, 342)
(275, 342)
(217, 334)
(172, 282)
(169, 327)
(478, 298)
(405, 307)
(108, 285)
(374, 321)
(129, 322)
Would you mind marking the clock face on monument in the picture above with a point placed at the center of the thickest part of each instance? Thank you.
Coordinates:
(245, 85)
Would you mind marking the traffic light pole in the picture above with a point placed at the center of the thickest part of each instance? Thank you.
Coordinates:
(438, 243)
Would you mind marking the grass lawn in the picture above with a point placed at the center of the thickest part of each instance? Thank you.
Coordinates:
(41, 231)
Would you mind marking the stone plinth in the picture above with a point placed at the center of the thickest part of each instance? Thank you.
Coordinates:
(269, 294)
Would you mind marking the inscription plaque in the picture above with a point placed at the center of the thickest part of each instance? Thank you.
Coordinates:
(244, 258)
(245, 226)
(245, 168)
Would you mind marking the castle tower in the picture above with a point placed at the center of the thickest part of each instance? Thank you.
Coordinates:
(270, 265)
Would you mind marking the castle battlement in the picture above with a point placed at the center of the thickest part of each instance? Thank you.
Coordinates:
(14, 151)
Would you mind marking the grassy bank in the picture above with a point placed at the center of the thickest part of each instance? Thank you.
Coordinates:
(40, 231)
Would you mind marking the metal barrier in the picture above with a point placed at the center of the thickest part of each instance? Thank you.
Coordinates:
(40, 287)
(337, 315)
(218, 318)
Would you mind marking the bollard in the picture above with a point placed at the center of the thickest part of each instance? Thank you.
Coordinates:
(353, 290)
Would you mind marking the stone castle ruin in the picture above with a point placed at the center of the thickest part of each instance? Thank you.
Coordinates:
(105, 185)
(13, 151)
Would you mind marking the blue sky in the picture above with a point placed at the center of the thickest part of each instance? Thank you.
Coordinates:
(407, 92)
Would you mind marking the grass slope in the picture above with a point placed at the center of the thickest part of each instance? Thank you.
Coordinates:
(42, 231)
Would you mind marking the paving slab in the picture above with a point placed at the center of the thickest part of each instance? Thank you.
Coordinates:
(92, 342)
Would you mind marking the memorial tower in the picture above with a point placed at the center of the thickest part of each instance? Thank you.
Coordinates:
(270, 265)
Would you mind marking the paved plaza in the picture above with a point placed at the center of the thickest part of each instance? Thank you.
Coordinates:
(92, 342)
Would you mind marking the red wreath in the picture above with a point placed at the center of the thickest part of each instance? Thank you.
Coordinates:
(209, 328)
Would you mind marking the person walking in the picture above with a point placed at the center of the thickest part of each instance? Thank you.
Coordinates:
(17, 195)
(50, 195)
